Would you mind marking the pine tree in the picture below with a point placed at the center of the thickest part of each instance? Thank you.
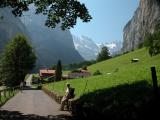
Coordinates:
(58, 74)
(103, 55)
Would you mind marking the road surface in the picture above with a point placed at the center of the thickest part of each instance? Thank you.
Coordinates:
(32, 105)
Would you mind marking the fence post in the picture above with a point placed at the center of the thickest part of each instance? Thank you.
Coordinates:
(154, 80)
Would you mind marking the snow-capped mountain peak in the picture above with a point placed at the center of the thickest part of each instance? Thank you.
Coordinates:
(114, 47)
(111, 45)
(89, 49)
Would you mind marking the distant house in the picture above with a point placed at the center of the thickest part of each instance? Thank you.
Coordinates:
(79, 74)
(45, 73)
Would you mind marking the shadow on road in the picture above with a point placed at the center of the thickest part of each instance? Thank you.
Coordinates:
(30, 88)
(16, 115)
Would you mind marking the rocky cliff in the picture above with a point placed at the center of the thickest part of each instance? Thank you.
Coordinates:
(89, 50)
(50, 44)
(86, 47)
(9, 27)
(143, 21)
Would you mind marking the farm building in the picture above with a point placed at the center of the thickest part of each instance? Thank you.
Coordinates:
(45, 73)
(79, 74)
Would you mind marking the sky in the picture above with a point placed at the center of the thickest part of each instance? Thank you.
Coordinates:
(108, 19)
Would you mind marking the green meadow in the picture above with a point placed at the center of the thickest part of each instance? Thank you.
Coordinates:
(4, 99)
(116, 71)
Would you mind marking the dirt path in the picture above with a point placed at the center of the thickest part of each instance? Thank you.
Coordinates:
(31, 104)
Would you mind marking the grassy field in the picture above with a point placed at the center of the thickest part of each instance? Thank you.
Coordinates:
(116, 71)
(36, 74)
(8, 96)
(65, 72)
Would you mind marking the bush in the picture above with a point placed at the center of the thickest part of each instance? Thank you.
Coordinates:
(97, 72)
(140, 45)
(74, 71)
(126, 52)
(152, 41)
(35, 80)
(84, 67)
(39, 87)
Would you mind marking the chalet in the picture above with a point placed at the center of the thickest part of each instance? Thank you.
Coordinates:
(79, 74)
(45, 73)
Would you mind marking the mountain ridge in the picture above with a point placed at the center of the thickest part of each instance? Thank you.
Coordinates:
(89, 49)
(49, 44)
(10, 26)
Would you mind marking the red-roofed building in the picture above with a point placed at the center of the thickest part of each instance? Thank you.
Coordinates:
(44, 73)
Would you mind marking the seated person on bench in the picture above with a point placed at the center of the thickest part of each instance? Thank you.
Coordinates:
(69, 93)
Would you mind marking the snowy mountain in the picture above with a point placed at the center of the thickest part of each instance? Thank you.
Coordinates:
(86, 47)
(114, 47)
(89, 50)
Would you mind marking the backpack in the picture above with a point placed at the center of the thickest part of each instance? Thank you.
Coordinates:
(71, 92)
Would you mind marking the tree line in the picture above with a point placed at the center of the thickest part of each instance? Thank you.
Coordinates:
(102, 55)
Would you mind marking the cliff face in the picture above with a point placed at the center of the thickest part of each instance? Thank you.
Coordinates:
(10, 26)
(143, 21)
(50, 44)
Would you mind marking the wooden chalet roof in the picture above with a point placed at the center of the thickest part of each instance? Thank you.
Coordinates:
(46, 71)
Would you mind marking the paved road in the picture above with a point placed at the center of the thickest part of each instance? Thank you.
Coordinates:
(30, 102)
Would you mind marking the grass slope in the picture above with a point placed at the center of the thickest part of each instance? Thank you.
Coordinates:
(116, 71)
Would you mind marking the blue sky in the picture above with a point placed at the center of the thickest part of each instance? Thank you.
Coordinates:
(109, 19)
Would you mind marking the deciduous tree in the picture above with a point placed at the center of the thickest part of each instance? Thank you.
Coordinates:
(65, 12)
(16, 61)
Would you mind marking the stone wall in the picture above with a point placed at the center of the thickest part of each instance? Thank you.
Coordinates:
(57, 98)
